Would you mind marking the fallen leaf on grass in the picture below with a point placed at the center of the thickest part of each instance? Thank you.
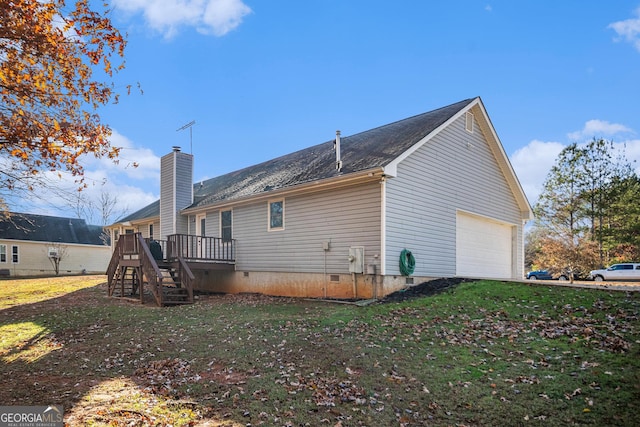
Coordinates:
(329, 391)
(165, 376)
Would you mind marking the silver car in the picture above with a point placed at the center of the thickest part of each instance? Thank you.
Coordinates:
(627, 271)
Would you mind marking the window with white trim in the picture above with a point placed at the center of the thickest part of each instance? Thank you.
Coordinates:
(276, 215)
(151, 231)
(14, 254)
(3, 253)
(226, 223)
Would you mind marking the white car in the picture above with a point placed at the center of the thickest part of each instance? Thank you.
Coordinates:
(624, 271)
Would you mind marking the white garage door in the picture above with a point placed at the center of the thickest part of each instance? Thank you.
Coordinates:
(483, 247)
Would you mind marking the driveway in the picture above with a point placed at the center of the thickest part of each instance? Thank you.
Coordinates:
(614, 286)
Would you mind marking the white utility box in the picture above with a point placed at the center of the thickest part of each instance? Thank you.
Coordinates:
(356, 259)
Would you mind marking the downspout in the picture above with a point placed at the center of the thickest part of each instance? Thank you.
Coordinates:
(383, 225)
(324, 270)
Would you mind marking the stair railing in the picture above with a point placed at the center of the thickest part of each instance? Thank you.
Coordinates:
(150, 269)
(186, 277)
(113, 265)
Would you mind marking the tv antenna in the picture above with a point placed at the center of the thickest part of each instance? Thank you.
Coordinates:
(188, 126)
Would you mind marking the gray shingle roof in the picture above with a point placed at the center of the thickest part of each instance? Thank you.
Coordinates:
(148, 211)
(360, 152)
(42, 228)
(363, 151)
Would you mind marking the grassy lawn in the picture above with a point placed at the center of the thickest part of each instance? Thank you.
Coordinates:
(484, 353)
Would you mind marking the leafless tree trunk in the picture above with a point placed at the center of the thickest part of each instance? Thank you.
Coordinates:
(56, 253)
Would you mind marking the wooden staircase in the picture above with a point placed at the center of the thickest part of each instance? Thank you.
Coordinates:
(133, 271)
(125, 283)
(173, 293)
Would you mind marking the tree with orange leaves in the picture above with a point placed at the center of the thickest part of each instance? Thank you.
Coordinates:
(50, 55)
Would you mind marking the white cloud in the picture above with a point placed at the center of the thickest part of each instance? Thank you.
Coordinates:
(631, 150)
(132, 186)
(134, 162)
(532, 163)
(129, 197)
(217, 17)
(222, 16)
(598, 128)
(628, 30)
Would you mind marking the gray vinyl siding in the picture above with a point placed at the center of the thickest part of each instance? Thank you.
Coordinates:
(454, 170)
(344, 217)
(213, 224)
(144, 229)
(179, 189)
(166, 196)
(183, 189)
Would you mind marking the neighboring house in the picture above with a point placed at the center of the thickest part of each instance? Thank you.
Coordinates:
(332, 220)
(28, 242)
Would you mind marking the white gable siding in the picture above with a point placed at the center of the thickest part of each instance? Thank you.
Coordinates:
(344, 217)
(455, 170)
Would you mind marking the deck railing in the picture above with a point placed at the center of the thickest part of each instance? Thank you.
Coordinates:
(200, 248)
(150, 269)
(136, 252)
(186, 276)
(113, 265)
(126, 246)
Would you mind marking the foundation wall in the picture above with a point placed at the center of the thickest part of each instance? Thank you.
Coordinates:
(304, 285)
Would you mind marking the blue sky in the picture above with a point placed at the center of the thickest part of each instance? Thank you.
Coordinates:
(265, 78)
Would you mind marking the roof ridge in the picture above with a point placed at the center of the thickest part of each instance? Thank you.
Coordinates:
(465, 101)
(364, 150)
(27, 214)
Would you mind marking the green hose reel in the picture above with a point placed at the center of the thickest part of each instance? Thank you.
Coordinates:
(407, 262)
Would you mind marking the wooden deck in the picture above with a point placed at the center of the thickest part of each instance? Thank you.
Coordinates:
(165, 268)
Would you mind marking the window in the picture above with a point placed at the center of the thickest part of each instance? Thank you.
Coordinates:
(14, 254)
(3, 253)
(151, 231)
(225, 226)
(468, 125)
(276, 215)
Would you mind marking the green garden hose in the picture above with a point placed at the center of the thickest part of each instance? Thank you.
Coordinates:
(407, 262)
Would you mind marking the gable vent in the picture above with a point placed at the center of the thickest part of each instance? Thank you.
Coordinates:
(468, 125)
